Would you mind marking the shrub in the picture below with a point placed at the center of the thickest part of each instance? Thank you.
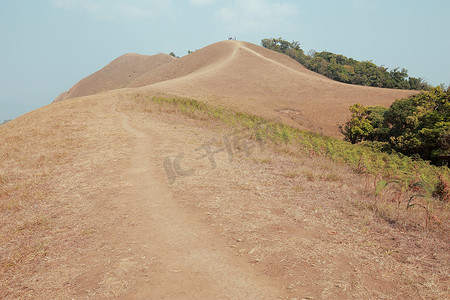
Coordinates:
(442, 190)
(418, 126)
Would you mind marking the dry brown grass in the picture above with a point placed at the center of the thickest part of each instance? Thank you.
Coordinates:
(47, 158)
(117, 74)
(418, 208)
(243, 76)
(307, 219)
(62, 167)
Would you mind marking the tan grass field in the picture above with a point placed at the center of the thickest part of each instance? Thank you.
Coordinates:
(110, 196)
(249, 78)
(117, 74)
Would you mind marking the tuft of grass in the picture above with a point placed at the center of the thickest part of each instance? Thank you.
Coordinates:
(332, 177)
(442, 190)
(310, 176)
(3, 178)
(38, 223)
(299, 188)
(291, 174)
(266, 161)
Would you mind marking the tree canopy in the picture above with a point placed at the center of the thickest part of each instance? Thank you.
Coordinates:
(348, 70)
(416, 126)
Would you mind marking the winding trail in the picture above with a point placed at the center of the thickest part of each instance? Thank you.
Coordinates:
(192, 262)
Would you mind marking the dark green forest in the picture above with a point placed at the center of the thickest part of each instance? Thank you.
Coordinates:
(348, 70)
(418, 126)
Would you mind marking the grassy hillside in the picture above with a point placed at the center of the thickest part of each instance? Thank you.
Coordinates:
(400, 185)
(86, 209)
(246, 77)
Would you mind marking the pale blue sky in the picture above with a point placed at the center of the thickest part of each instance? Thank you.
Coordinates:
(46, 46)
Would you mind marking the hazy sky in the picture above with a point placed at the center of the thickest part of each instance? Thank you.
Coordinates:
(46, 46)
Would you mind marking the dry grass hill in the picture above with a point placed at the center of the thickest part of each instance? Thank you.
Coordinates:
(120, 194)
(253, 79)
(117, 74)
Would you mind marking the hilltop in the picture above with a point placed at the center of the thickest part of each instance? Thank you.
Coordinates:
(253, 79)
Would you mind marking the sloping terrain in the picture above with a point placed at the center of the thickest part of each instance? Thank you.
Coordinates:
(260, 81)
(116, 196)
(87, 211)
(257, 80)
(117, 74)
(207, 58)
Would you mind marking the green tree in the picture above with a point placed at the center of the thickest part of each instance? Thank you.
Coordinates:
(376, 117)
(358, 127)
(341, 68)
(421, 125)
(418, 125)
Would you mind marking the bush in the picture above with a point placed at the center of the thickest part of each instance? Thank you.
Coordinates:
(416, 126)
(442, 190)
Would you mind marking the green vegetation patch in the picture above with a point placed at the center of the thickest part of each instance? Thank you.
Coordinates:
(341, 68)
(418, 126)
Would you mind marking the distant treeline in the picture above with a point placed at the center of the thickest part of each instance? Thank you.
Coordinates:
(347, 70)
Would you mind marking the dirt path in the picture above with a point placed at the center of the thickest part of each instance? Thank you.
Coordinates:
(193, 262)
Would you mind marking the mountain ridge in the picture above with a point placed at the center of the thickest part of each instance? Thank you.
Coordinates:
(257, 80)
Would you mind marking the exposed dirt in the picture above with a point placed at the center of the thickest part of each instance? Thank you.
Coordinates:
(195, 261)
